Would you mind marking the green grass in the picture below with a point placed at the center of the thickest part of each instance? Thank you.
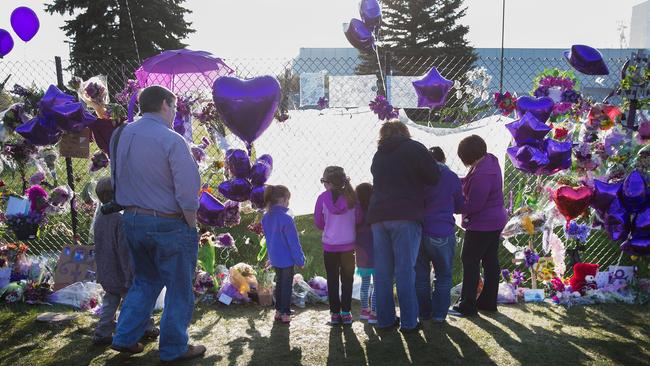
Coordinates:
(245, 334)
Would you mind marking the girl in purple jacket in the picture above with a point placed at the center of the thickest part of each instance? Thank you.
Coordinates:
(365, 256)
(337, 214)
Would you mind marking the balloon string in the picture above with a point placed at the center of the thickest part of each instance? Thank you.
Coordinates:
(381, 71)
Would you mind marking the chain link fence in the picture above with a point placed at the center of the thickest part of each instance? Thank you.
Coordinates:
(469, 100)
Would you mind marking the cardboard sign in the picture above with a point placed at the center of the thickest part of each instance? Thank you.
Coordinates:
(76, 264)
(75, 145)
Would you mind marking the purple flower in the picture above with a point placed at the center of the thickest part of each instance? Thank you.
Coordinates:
(225, 241)
(231, 215)
(383, 109)
(323, 103)
(530, 258)
(571, 96)
(125, 95)
(505, 273)
(541, 91)
(37, 178)
(578, 232)
(60, 195)
(517, 278)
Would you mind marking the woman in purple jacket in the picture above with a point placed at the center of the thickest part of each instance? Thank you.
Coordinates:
(484, 217)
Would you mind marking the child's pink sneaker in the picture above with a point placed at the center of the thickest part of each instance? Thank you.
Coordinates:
(365, 314)
(346, 318)
(278, 316)
(335, 319)
(285, 318)
(372, 318)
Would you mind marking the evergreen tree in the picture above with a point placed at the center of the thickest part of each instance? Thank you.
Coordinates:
(419, 28)
(109, 30)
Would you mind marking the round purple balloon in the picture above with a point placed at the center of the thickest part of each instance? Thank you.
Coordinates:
(6, 43)
(539, 107)
(528, 158)
(559, 156)
(210, 211)
(359, 36)
(432, 89)
(604, 194)
(633, 193)
(257, 197)
(260, 173)
(247, 107)
(528, 129)
(237, 189)
(370, 12)
(238, 162)
(617, 221)
(25, 23)
(267, 159)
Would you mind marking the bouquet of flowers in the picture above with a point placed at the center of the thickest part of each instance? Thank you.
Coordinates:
(25, 226)
(384, 110)
(99, 161)
(94, 93)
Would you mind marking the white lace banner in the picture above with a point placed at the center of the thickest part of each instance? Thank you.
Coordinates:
(352, 91)
(312, 88)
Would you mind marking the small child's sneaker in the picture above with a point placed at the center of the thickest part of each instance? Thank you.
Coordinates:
(365, 314)
(335, 319)
(372, 318)
(278, 316)
(285, 318)
(346, 318)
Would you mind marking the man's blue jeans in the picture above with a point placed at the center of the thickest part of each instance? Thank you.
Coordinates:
(164, 253)
(396, 245)
(440, 251)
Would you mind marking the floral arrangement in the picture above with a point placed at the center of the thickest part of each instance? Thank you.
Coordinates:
(476, 86)
(323, 103)
(14, 116)
(530, 258)
(98, 161)
(383, 109)
(231, 215)
(31, 96)
(94, 93)
(225, 240)
(577, 232)
(38, 199)
(505, 103)
(124, 97)
(9, 253)
(562, 87)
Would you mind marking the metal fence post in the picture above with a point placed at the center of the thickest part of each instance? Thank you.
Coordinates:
(68, 161)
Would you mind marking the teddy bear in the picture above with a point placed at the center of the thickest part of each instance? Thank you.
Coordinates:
(584, 277)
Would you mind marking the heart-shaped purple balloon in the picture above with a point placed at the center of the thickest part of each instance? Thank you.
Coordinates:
(559, 156)
(210, 210)
(604, 194)
(633, 193)
(237, 189)
(637, 246)
(539, 107)
(238, 163)
(257, 197)
(528, 129)
(247, 107)
(359, 36)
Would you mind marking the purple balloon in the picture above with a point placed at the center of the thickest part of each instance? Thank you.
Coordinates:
(238, 162)
(72, 117)
(370, 12)
(257, 197)
(267, 159)
(6, 43)
(25, 23)
(247, 107)
(237, 189)
(528, 129)
(604, 194)
(641, 227)
(260, 173)
(617, 221)
(527, 158)
(637, 246)
(210, 210)
(587, 60)
(539, 107)
(40, 131)
(559, 156)
(359, 36)
(633, 193)
(432, 89)
(53, 97)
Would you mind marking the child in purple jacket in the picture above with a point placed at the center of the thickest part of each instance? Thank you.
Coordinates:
(365, 256)
(337, 214)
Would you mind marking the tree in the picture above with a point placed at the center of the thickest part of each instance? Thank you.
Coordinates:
(420, 28)
(109, 30)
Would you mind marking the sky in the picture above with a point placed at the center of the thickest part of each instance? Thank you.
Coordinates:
(278, 28)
